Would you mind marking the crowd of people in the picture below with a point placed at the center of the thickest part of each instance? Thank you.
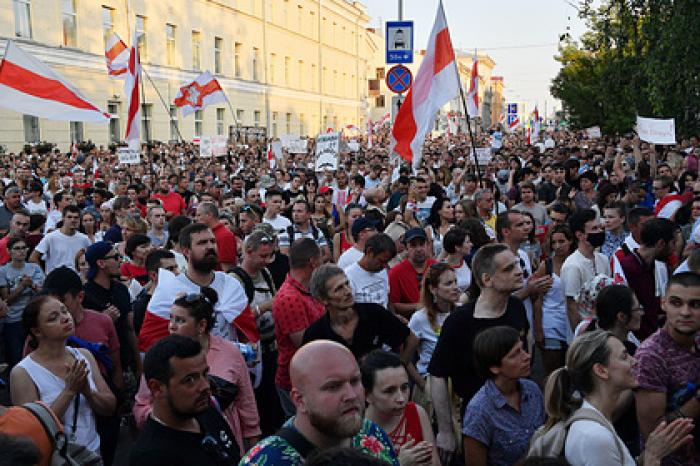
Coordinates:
(541, 307)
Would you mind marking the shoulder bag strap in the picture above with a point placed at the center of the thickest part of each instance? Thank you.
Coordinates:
(293, 437)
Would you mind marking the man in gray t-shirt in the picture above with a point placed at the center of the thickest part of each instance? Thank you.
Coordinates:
(528, 204)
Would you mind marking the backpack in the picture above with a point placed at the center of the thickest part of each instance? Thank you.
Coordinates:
(290, 232)
(65, 453)
(550, 443)
(248, 284)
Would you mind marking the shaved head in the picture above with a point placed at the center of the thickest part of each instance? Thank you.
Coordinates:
(327, 391)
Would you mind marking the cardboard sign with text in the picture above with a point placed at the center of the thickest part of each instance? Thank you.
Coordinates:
(128, 156)
(656, 130)
(327, 147)
(593, 132)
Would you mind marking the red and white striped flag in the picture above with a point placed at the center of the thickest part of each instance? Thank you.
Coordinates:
(436, 84)
(131, 90)
(204, 90)
(271, 160)
(473, 94)
(117, 56)
(514, 124)
(29, 86)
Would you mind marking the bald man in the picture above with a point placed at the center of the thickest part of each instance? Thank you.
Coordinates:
(330, 402)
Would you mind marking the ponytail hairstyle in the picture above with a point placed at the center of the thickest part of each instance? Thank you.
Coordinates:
(200, 306)
(432, 278)
(567, 386)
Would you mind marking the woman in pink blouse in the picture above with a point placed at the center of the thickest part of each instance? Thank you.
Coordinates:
(192, 316)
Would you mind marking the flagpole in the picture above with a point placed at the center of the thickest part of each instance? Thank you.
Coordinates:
(165, 105)
(469, 126)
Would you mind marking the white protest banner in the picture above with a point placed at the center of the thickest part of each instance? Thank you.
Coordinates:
(294, 144)
(593, 132)
(277, 149)
(483, 154)
(353, 146)
(656, 130)
(219, 145)
(128, 156)
(205, 147)
(327, 146)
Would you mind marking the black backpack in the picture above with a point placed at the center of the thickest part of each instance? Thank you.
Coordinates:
(290, 232)
(248, 284)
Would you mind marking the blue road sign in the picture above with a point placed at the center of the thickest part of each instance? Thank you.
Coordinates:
(512, 109)
(511, 119)
(399, 42)
(399, 79)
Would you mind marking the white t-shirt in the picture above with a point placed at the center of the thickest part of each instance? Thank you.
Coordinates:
(52, 220)
(591, 444)
(279, 223)
(464, 276)
(578, 270)
(427, 336)
(36, 207)
(349, 257)
(368, 287)
(58, 249)
(424, 208)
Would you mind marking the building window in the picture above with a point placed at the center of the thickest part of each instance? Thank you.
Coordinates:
(256, 64)
(300, 19)
(23, 18)
(256, 118)
(379, 101)
(113, 110)
(300, 77)
(324, 80)
(240, 115)
(174, 124)
(198, 121)
(380, 73)
(146, 116)
(141, 34)
(76, 131)
(31, 129)
(218, 48)
(335, 82)
(196, 45)
(302, 128)
(70, 30)
(274, 124)
(273, 59)
(107, 23)
(237, 59)
(170, 31)
(325, 123)
(287, 71)
(288, 123)
(314, 78)
(219, 121)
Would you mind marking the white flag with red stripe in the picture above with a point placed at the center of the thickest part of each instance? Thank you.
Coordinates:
(29, 86)
(131, 90)
(271, 160)
(369, 133)
(117, 56)
(204, 90)
(473, 94)
(436, 84)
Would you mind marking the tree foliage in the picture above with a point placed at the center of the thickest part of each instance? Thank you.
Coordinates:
(638, 57)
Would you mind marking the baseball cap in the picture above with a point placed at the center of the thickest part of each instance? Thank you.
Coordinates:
(414, 233)
(362, 223)
(96, 252)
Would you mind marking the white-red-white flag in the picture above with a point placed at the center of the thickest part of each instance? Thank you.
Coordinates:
(473, 94)
(369, 133)
(514, 124)
(271, 160)
(204, 90)
(436, 84)
(117, 56)
(29, 86)
(131, 90)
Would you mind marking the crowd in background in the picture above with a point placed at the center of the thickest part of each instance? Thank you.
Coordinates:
(540, 305)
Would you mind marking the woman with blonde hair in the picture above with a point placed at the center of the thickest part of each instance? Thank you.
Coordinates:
(598, 369)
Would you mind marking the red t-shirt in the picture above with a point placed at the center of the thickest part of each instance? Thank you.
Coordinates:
(404, 283)
(172, 202)
(293, 310)
(130, 270)
(4, 253)
(98, 328)
(226, 244)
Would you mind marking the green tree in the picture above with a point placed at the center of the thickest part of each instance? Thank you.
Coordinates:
(637, 57)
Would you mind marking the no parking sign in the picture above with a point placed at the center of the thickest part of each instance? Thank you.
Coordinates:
(399, 79)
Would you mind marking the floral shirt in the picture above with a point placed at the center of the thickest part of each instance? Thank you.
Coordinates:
(275, 451)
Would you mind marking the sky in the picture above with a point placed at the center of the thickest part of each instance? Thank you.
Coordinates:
(521, 37)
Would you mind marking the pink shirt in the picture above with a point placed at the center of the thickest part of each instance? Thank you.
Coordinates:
(225, 361)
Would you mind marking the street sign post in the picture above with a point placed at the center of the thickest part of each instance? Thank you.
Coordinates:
(399, 42)
(399, 79)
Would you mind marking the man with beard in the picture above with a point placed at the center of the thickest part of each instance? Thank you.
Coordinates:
(198, 244)
(183, 428)
(646, 273)
(208, 214)
(330, 401)
(173, 203)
